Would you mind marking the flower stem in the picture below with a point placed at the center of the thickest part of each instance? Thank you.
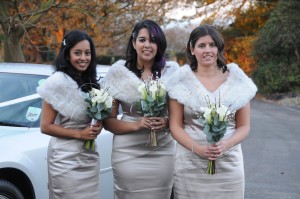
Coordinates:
(89, 144)
(211, 168)
(153, 138)
(93, 122)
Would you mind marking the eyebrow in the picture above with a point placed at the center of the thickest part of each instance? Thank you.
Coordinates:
(208, 43)
(82, 50)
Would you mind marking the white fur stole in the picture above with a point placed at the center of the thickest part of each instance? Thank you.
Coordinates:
(235, 92)
(123, 84)
(62, 92)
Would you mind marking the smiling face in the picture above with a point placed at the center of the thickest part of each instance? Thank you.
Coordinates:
(205, 51)
(145, 46)
(80, 55)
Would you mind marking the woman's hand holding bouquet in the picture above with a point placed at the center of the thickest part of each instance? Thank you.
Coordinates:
(99, 107)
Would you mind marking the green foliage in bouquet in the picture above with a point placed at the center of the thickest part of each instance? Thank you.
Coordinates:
(152, 103)
(98, 111)
(99, 107)
(215, 122)
(153, 98)
(215, 119)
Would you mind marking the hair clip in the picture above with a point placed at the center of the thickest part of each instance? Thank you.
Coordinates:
(133, 35)
(191, 44)
(64, 42)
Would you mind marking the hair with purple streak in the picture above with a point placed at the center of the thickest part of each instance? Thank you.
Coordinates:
(131, 55)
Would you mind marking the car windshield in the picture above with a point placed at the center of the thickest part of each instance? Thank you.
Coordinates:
(20, 105)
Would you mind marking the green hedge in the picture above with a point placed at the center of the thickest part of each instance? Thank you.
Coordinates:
(280, 77)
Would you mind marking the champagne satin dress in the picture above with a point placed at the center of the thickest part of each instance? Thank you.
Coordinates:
(140, 171)
(191, 180)
(73, 171)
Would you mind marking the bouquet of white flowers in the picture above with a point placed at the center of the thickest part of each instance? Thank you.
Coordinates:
(215, 119)
(153, 102)
(99, 107)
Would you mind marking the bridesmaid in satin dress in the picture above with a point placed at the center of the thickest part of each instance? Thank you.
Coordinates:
(208, 76)
(73, 171)
(140, 171)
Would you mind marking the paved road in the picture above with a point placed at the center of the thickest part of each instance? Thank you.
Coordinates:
(272, 152)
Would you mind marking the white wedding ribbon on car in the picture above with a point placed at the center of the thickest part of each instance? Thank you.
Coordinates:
(19, 100)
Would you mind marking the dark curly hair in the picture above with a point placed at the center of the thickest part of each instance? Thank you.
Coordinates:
(131, 55)
(202, 31)
(62, 63)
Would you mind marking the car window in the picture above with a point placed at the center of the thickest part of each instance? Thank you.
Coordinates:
(20, 105)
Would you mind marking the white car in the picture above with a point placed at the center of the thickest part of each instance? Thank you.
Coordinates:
(23, 148)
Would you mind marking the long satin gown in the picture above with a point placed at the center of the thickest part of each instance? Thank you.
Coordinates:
(140, 171)
(73, 171)
(191, 180)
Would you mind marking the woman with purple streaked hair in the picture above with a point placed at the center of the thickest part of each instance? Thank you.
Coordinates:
(140, 171)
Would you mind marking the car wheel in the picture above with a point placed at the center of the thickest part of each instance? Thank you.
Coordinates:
(9, 191)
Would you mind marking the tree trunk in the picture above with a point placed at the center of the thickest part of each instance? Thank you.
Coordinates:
(12, 48)
(297, 53)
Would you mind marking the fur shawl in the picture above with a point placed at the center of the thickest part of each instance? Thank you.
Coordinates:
(123, 84)
(236, 91)
(62, 92)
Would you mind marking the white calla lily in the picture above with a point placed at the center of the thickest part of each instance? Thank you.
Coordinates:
(162, 90)
(142, 91)
(222, 111)
(153, 89)
(206, 113)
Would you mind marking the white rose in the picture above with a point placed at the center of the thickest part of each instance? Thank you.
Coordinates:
(98, 96)
(101, 98)
(93, 95)
(97, 91)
